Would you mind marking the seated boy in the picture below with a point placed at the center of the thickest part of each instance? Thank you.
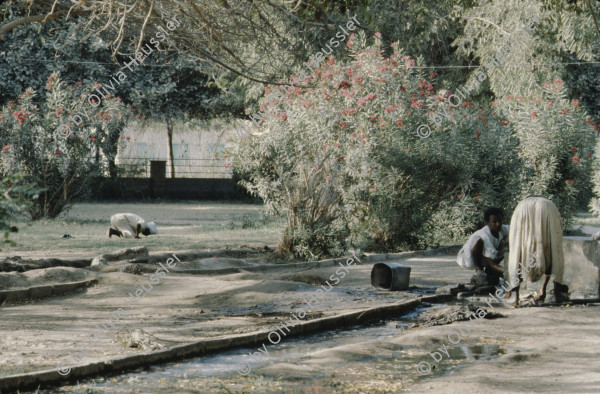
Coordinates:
(485, 250)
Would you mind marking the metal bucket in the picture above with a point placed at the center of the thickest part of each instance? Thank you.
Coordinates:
(390, 276)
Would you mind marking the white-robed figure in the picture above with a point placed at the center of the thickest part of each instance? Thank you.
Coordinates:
(130, 225)
(536, 248)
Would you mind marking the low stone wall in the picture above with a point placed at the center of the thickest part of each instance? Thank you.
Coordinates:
(582, 265)
(40, 292)
(50, 378)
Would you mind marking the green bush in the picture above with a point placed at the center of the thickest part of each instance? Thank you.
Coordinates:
(343, 159)
(55, 153)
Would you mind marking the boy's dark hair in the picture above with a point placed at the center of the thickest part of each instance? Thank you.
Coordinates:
(492, 211)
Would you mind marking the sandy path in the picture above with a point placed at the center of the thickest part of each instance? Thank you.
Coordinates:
(183, 308)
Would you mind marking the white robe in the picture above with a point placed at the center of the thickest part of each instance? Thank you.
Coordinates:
(127, 223)
(535, 241)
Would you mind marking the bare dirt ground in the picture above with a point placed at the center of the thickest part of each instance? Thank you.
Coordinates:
(542, 349)
(180, 309)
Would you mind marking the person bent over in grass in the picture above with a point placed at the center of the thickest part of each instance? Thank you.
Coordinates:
(485, 250)
(128, 224)
(536, 248)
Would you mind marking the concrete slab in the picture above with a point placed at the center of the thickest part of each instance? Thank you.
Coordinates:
(582, 264)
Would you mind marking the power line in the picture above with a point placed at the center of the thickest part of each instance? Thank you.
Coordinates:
(520, 64)
(435, 67)
(76, 62)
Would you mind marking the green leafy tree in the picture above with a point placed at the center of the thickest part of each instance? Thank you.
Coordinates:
(15, 197)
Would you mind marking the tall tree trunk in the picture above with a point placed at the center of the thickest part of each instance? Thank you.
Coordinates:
(169, 124)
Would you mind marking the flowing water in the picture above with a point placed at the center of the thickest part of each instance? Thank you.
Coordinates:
(220, 372)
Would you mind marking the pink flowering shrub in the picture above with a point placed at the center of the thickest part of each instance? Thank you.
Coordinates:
(556, 144)
(37, 143)
(342, 158)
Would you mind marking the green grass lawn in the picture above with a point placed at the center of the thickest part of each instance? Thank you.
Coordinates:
(586, 219)
(182, 225)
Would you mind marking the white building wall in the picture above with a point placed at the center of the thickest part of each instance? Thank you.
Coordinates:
(195, 146)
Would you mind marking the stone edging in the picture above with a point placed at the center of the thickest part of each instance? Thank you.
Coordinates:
(84, 263)
(39, 292)
(453, 249)
(120, 364)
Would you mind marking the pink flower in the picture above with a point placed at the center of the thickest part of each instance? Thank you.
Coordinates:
(388, 109)
(573, 149)
(6, 147)
(361, 102)
(58, 153)
(575, 159)
(283, 116)
(378, 34)
(372, 190)
(349, 111)
(344, 85)
(350, 40)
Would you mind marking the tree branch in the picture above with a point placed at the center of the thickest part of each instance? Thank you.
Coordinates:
(593, 16)
(491, 23)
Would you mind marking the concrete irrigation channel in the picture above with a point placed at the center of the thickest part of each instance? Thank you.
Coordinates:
(205, 326)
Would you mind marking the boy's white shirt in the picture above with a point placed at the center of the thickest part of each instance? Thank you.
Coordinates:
(490, 245)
